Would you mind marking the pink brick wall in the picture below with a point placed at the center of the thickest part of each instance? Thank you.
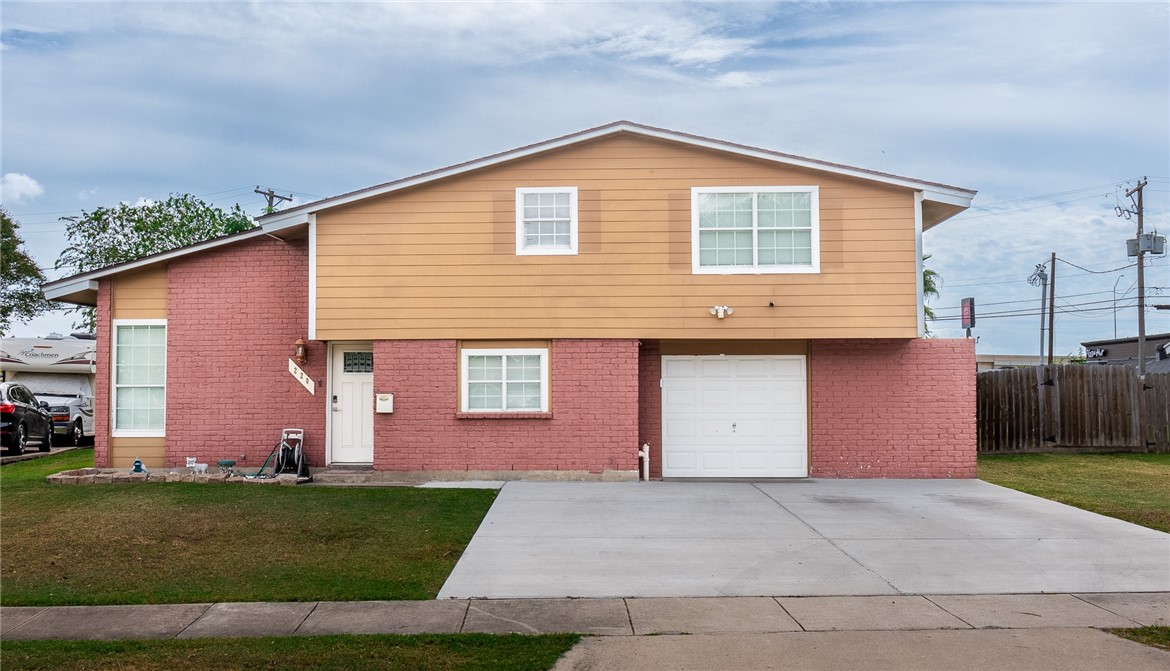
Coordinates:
(593, 424)
(893, 408)
(650, 403)
(233, 315)
(101, 415)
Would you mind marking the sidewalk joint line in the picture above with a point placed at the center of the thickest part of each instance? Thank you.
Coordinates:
(798, 622)
(1078, 597)
(629, 617)
(944, 609)
(199, 617)
(306, 617)
(466, 610)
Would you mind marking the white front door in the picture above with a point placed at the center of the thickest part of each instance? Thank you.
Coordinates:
(352, 404)
(734, 417)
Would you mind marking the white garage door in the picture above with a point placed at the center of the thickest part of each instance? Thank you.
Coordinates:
(734, 417)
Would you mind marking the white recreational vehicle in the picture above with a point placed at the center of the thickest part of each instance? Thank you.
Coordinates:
(61, 371)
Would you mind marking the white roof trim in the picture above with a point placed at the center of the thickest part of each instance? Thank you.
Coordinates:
(932, 191)
(68, 287)
(60, 287)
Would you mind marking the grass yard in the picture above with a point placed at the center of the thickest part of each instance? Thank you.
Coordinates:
(190, 543)
(426, 653)
(1131, 487)
(1156, 637)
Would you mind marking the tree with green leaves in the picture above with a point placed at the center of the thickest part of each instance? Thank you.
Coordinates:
(20, 296)
(930, 282)
(125, 232)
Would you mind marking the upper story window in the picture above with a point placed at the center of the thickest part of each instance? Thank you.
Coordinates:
(140, 377)
(774, 229)
(546, 220)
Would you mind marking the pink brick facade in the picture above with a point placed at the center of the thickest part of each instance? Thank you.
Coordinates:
(650, 403)
(878, 408)
(592, 425)
(892, 408)
(232, 318)
(101, 387)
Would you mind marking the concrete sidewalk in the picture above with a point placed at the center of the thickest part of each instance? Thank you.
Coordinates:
(603, 617)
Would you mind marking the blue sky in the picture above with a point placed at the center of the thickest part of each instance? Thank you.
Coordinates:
(1048, 109)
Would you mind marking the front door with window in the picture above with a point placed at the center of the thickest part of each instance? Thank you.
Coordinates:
(352, 404)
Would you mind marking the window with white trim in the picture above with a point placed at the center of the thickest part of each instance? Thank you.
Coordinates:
(504, 380)
(139, 377)
(755, 229)
(546, 220)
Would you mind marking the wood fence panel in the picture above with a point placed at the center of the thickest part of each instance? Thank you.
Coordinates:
(1055, 408)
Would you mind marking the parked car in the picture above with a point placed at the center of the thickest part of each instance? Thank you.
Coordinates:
(24, 420)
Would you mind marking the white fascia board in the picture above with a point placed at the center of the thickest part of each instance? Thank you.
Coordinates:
(54, 286)
(68, 287)
(919, 282)
(949, 197)
(295, 216)
(312, 276)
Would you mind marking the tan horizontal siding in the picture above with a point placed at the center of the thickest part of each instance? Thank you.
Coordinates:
(439, 261)
(124, 450)
(141, 295)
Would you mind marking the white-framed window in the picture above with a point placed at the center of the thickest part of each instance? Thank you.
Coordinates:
(546, 220)
(756, 229)
(504, 380)
(139, 371)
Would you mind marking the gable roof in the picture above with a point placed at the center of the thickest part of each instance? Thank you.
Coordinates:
(956, 197)
(940, 201)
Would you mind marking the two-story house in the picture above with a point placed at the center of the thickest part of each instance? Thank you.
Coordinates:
(546, 312)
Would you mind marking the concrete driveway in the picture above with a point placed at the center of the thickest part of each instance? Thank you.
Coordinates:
(820, 537)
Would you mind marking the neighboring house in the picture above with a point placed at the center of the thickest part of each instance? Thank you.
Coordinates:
(745, 313)
(1124, 352)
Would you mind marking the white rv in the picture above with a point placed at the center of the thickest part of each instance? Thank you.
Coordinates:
(61, 371)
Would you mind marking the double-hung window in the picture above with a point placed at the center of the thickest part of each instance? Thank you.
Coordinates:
(504, 380)
(140, 377)
(755, 229)
(546, 220)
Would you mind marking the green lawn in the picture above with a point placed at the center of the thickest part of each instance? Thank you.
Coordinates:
(187, 543)
(1131, 487)
(425, 653)
(1157, 637)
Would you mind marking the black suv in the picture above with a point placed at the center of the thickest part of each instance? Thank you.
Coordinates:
(24, 420)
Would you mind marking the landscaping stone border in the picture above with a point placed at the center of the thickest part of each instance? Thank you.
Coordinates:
(118, 476)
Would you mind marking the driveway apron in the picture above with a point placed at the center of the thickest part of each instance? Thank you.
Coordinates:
(800, 538)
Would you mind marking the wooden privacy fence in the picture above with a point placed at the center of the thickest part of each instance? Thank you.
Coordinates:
(1050, 408)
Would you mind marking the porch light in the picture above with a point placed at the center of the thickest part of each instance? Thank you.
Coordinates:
(299, 349)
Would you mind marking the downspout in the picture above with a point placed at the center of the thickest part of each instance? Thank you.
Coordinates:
(644, 466)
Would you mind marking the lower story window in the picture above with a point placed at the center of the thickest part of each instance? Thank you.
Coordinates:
(140, 377)
(504, 380)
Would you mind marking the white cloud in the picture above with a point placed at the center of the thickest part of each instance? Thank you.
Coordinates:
(16, 187)
(739, 80)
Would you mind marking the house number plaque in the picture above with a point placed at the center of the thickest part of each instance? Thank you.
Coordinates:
(301, 376)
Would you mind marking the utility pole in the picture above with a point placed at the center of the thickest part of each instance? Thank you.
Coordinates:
(1051, 308)
(1138, 247)
(1039, 278)
(272, 197)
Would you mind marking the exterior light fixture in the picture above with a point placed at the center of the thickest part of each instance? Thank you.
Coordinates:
(300, 351)
(721, 311)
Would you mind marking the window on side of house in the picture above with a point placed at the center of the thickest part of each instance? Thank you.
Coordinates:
(755, 230)
(139, 373)
(546, 220)
(504, 380)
